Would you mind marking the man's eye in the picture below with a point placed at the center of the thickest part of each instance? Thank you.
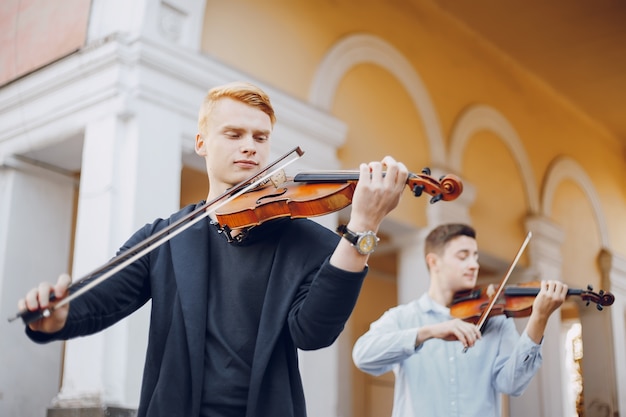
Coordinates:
(262, 138)
(463, 256)
(232, 135)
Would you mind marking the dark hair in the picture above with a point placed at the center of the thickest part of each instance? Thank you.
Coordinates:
(441, 235)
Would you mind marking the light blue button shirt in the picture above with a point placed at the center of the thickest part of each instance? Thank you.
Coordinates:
(437, 379)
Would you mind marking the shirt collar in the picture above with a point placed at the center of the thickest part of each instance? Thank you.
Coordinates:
(427, 304)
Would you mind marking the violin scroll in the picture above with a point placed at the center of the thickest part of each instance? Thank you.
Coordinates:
(601, 299)
(448, 188)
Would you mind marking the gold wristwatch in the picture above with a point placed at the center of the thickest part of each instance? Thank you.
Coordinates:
(364, 242)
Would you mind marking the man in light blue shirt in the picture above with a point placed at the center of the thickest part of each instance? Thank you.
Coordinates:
(445, 366)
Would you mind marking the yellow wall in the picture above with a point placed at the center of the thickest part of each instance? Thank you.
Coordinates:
(283, 42)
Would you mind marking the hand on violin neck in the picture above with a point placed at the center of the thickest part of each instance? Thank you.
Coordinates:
(377, 192)
(551, 296)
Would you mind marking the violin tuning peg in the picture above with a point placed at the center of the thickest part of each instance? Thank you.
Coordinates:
(590, 288)
(587, 303)
(601, 293)
(436, 198)
(599, 307)
(417, 190)
(426, 171)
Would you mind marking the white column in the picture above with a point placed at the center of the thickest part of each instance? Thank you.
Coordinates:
(614, 274)
(455, 211)
(130, 175)
(412, 277)
(412, 280)
(544, 396)
(35, 219)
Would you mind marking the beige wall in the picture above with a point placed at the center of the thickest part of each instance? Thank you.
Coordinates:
(542, 156)
(283, 43)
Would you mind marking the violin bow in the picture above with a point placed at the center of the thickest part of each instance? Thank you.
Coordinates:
(149, 244)
(485, 315)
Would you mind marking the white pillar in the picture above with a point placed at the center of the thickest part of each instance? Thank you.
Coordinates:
(35, 220)
(130, 175)
(412, 277)
(614, 274)
(412, 280)
(544, 395)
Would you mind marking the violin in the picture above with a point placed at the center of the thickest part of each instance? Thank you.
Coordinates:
(310, 194)
(514, 301)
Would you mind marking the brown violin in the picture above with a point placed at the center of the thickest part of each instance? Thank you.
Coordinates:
(311, 194)
(515, 301)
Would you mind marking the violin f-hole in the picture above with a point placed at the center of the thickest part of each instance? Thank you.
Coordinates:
(270, 196)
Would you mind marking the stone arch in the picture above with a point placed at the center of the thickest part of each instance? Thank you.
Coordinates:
(481, 117)
(364, 48)
(565, 168)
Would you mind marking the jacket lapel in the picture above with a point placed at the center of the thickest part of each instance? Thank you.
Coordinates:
(190, 257)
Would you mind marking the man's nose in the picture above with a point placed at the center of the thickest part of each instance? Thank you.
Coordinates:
(248, 144)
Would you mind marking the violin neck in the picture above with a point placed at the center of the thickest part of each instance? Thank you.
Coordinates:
(327, 176)
(514, 291)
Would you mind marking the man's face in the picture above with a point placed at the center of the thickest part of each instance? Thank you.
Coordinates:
(458, 265)
(235, 145)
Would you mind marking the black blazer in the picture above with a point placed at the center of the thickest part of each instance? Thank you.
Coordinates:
(306, 306)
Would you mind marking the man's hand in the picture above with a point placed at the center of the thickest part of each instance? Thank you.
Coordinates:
(377, 192)
(457, 329)
(39, 299)
(551, 296)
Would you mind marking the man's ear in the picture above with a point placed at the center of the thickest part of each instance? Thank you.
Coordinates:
(431, 260)
(200, 145)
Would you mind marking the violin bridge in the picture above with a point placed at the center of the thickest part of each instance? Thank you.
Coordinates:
(491, 291)
(279, 178)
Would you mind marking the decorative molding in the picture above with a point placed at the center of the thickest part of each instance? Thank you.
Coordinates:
(170, 22)
(481, 117)
(115, 75)
(613, 271)
(565, 168)
(365, 48)
(545, 247)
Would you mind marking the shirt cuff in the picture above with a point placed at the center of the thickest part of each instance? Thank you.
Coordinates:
(528, 343)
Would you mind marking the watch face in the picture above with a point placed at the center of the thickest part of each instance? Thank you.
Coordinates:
(367, 243)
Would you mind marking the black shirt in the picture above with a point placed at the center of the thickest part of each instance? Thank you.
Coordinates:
(237, 285)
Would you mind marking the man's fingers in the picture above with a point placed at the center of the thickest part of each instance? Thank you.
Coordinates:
(62, 284)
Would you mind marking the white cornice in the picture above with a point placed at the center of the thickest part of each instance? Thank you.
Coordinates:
(113, 76)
